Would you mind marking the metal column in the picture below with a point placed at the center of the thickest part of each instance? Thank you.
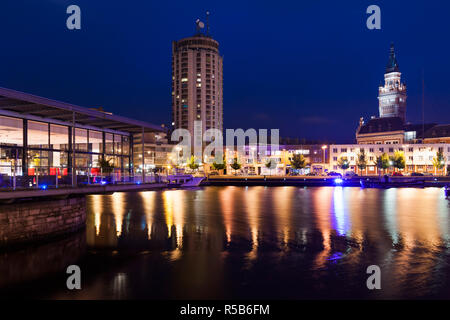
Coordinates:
(74, 171)
(143, 156)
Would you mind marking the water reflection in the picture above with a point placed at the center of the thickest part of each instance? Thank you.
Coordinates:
(148, 204)
(36, 262)
(252, 204)
(174, 212)
(222, 237)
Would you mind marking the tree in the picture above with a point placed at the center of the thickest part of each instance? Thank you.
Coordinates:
(439, 160)
(343, 163)
(298, 161)
(219, 165)
(235, 165)
(382, 162)
(361, 162)
(105, 165)
(398, 160)
(193, 163)
(269, 166)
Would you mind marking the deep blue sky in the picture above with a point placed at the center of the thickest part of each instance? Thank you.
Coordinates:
(310, 68)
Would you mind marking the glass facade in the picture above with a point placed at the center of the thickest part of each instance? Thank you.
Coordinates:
(39, 150)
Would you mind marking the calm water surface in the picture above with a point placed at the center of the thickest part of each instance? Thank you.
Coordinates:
(250, 242)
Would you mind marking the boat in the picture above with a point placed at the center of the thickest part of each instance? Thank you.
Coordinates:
(183, 181)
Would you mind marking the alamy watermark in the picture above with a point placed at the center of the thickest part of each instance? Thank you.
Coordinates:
(74, 280)
(73, 22)
(374, 20)
(374, 281)
(235, 141)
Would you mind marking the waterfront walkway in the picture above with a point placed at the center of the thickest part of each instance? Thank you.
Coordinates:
(6, 196)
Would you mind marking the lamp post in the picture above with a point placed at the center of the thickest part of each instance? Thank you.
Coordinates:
(324, 148)
(178, 149)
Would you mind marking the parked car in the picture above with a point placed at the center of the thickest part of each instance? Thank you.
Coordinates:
(334, 174)
(428, 174)
(397, 174)
(213, 173)
(416, 174)
(350, 174)
(311, 174)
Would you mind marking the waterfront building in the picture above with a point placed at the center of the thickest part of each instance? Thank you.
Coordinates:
(159, 155)
(197, 82)
(42, 138)
(418, 157)
(253, 160)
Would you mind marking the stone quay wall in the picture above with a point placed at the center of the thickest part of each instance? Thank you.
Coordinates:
(40, 219)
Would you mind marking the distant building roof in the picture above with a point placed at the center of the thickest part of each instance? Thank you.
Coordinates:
(27, 104)
(419, 128)
(376, 125)
(382, 124)
(438, 131)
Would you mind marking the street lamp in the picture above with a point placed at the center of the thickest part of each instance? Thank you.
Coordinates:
(178, 155)
(324, 148)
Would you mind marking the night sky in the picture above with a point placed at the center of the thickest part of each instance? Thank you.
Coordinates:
(309, 68)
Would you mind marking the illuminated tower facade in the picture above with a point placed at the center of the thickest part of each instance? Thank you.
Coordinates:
(392, 96)
(197, 82)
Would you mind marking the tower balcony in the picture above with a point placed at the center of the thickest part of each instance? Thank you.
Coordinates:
(399, 89)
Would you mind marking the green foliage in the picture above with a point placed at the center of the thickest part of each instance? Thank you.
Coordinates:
(343, 163)
(219, 166)
(382, 162)
(361, 162)
(439, 160)
(235, 165)
(193, 163)
(298, 161)
(105, 165)
(398, 160)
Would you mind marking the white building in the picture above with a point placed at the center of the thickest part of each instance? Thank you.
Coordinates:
(418, 157)
(197, 83)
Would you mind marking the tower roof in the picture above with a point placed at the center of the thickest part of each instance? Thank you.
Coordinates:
(392, 65)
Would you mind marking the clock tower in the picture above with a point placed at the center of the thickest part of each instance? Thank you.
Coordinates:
(392, 96)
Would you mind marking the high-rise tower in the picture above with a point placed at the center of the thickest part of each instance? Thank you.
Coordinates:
(197, 82)
(392, 96)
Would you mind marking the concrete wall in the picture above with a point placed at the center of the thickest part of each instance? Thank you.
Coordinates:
(35, 220)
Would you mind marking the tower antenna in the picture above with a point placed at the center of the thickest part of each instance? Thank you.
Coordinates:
(207, 23)
(423, 106)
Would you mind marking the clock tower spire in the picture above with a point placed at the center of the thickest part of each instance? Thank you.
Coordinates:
(392, 96)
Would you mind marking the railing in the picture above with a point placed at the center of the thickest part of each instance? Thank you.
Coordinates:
(47, 181)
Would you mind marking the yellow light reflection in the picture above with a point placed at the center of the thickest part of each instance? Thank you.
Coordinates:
(253, 200)
(174, 205)
(148, 200)
(226, 196)
(118, 201)
(282, 199)
(97, 208)
(322, 202)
